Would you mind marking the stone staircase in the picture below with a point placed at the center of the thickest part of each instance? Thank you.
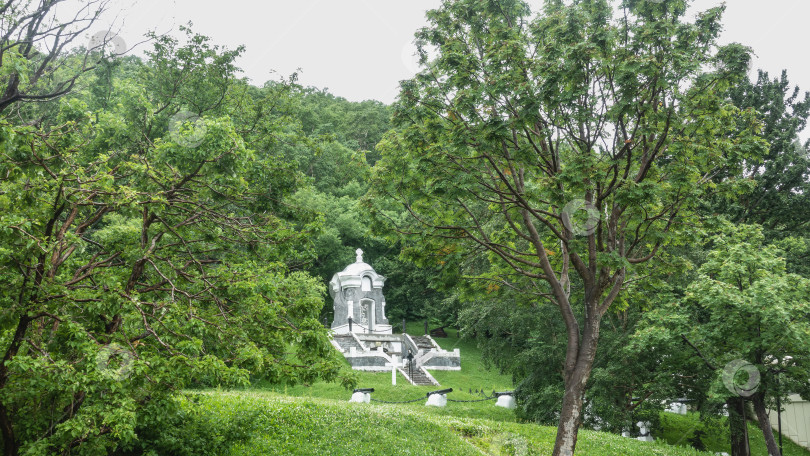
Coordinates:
(345, 341)
(419, 375)
(422, 342)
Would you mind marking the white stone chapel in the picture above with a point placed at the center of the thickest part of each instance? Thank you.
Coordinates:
(361, 332)
(357, 294)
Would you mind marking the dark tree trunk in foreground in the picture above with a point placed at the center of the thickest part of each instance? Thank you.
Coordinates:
(765, 424)
(738, 428)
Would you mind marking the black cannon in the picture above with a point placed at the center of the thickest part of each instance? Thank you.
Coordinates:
(444, 391)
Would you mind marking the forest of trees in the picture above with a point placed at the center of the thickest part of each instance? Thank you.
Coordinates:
(609, 207)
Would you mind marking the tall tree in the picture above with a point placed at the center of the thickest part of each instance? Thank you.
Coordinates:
(36, 49)
(572, 145)
(746, 320)
(780, 197)
(141, 254)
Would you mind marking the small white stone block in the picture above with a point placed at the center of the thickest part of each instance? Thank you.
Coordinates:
(626, 434)
(506, 401)
(437, 400)
(644, 430)
(361, 397)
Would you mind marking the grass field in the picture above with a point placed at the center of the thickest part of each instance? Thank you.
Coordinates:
(318, 419)
(677, 429)
(269, 423)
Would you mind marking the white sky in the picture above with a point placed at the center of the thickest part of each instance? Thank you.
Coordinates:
(360, 49)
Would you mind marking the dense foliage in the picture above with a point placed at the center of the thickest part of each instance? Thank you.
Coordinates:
(596, 194)
(147, 243)
(572, 147)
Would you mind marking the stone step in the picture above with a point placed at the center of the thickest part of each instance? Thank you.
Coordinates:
(422, 342)
(345, 342)
(418, 377)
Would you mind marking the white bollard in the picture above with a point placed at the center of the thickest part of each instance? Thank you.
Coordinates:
(644, 430)
(437, 400)
(506, 401)
(361, 397)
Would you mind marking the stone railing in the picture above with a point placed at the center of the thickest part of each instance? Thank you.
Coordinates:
(359, 342)
(408, 343)
(441, 360)
(370, 360)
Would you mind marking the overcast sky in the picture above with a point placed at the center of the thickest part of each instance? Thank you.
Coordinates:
(360, 49)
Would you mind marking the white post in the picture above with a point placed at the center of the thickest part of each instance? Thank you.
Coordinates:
(393, 365)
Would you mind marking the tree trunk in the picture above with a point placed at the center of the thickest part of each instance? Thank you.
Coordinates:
(575, 383)
(738, 428)
(9, 439)
(10, 444)
(570, 418)
(765, 424)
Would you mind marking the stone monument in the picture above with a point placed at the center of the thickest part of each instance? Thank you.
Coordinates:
(357, 294)
(361, 332)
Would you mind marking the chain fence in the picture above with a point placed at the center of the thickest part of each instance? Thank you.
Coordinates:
(486, 398)
(473, 400)
(397, 402)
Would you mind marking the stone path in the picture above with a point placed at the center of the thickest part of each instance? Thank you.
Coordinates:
(422, 342)
(419, 375)
(345, 341)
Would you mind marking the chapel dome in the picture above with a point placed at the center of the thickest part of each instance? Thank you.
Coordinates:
(357, 269)
(352, 276)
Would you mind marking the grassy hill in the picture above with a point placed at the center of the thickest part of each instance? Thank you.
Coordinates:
(268, 423)
(318, 419)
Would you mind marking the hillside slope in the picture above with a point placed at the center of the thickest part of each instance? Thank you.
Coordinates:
(274, 424)
(471, 384)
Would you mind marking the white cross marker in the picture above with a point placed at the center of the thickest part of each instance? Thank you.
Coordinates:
(393, 365)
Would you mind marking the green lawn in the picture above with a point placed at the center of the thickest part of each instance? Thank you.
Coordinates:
(318, 419)
(269, 423)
